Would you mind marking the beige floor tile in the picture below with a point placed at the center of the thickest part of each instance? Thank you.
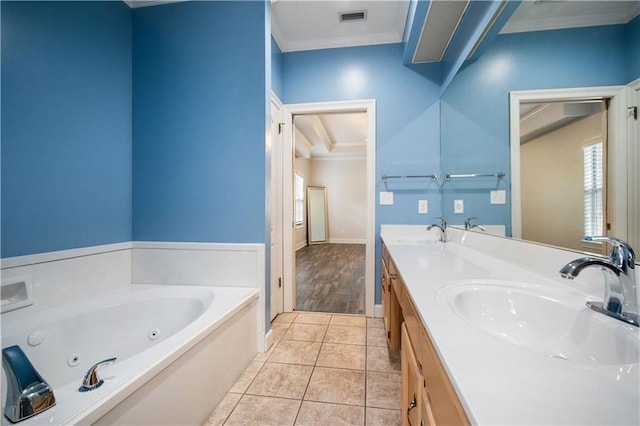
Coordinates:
(382, 417)
(383, 390)
(246, 377)
(320, 413)
(306, 332)
(375, 322)
(349, 320)
(279, 330)
(346, 335)
(312, 318)
(222, 411)
(376, 337)
(264, 411)
(281, 380)
(336, 385)
(285, 317)
(342, 356)
(382, 359)
(295, 352)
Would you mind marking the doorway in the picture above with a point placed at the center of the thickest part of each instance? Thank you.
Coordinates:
(367, 220)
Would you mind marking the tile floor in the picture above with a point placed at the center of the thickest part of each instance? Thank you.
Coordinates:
(323, 369)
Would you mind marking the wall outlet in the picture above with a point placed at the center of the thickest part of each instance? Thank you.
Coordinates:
(386, 198)
(458, 206)
(423, 206)
(499, 197)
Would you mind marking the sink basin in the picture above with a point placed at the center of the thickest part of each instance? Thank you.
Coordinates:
(552, 324)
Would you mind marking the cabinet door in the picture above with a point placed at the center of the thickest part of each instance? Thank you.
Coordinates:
(386, 297)
(412, 384)
(427, 414)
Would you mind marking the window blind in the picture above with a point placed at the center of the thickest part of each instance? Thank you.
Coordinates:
(299, 200)
(593, 189)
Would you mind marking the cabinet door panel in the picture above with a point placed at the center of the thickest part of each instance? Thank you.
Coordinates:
(412, 383)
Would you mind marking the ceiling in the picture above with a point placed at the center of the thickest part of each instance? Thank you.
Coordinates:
(331, 135)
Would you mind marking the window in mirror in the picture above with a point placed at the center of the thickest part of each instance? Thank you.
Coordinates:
(299, 200)
(593, 189)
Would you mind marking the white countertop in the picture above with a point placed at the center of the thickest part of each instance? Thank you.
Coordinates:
(497, 381)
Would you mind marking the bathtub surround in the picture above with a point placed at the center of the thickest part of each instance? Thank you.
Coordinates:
(75, 278)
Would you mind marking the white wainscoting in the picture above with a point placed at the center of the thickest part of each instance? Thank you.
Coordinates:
(69, 275)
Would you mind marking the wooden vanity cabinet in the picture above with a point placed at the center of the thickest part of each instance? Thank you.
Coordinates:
(436, 402)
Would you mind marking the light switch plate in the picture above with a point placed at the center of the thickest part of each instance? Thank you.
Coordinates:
(423, 206)
(386, 198)
(499, 197)
(458, 206)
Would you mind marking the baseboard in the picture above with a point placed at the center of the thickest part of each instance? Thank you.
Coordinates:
(378, 312)
(347, 241)
(300, 245)
(268, 341)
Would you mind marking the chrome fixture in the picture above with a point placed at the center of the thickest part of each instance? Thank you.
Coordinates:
(621, 293)
(433, 177)
(468, 226)
(442, 226)
(27, 392)
(449, 176)
(91, 380)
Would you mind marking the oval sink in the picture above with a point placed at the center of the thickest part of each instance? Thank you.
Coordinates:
(555, 325)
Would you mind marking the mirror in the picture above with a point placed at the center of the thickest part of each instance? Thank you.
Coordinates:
(477, 120)
(317, 214)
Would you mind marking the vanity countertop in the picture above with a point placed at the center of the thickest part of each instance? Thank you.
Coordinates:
(500, 382)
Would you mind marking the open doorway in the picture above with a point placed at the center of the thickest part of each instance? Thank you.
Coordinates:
(330, 210)
(345, 169)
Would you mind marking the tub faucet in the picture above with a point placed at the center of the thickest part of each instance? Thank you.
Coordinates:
(468, 226)
(27, 392)
(621, 293)
(442, 226)
(91, 380)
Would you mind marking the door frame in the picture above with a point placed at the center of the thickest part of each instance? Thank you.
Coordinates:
(617, 140)
(276, 200)
(288, 112)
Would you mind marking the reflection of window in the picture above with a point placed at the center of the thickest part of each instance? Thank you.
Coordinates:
(299, 200)
(593, 189)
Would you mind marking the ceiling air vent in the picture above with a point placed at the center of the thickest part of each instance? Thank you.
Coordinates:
(358, 15)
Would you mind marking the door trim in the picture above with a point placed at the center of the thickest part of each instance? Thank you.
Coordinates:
(617, 148)
(288, 111)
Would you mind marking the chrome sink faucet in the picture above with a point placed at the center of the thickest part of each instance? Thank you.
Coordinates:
(468, 226)
(442, 226)
(621, 292)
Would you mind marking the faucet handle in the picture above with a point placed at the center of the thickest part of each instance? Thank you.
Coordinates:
(91, 380)
(622, 255)
(443, 222)
(467, 222)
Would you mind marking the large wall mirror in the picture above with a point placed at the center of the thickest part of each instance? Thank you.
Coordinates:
(317, 214)
(587, 74)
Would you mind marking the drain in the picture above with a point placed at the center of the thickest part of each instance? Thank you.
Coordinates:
(154, 334)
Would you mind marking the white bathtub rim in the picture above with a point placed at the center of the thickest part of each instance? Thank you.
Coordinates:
(106, 398)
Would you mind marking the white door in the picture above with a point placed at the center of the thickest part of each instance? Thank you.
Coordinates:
(276, 209)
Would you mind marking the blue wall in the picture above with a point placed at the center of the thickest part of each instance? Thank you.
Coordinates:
(475, 107)
(408, 117)
(276, 69)
(632, 38)
(199, 122)
(66, 125)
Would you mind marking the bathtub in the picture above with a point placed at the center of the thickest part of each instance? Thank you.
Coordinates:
(179, 349)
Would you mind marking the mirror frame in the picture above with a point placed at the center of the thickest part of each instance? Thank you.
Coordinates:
(618, 160)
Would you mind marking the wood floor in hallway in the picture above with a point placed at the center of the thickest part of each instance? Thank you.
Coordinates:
(331, 278)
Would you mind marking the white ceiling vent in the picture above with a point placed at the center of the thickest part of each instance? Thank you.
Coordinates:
(358, 15)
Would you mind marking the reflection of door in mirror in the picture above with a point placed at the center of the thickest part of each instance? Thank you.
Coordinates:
(563, 154)
(317, 214)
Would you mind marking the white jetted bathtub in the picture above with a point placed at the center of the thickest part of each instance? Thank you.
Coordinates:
(178, 349)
